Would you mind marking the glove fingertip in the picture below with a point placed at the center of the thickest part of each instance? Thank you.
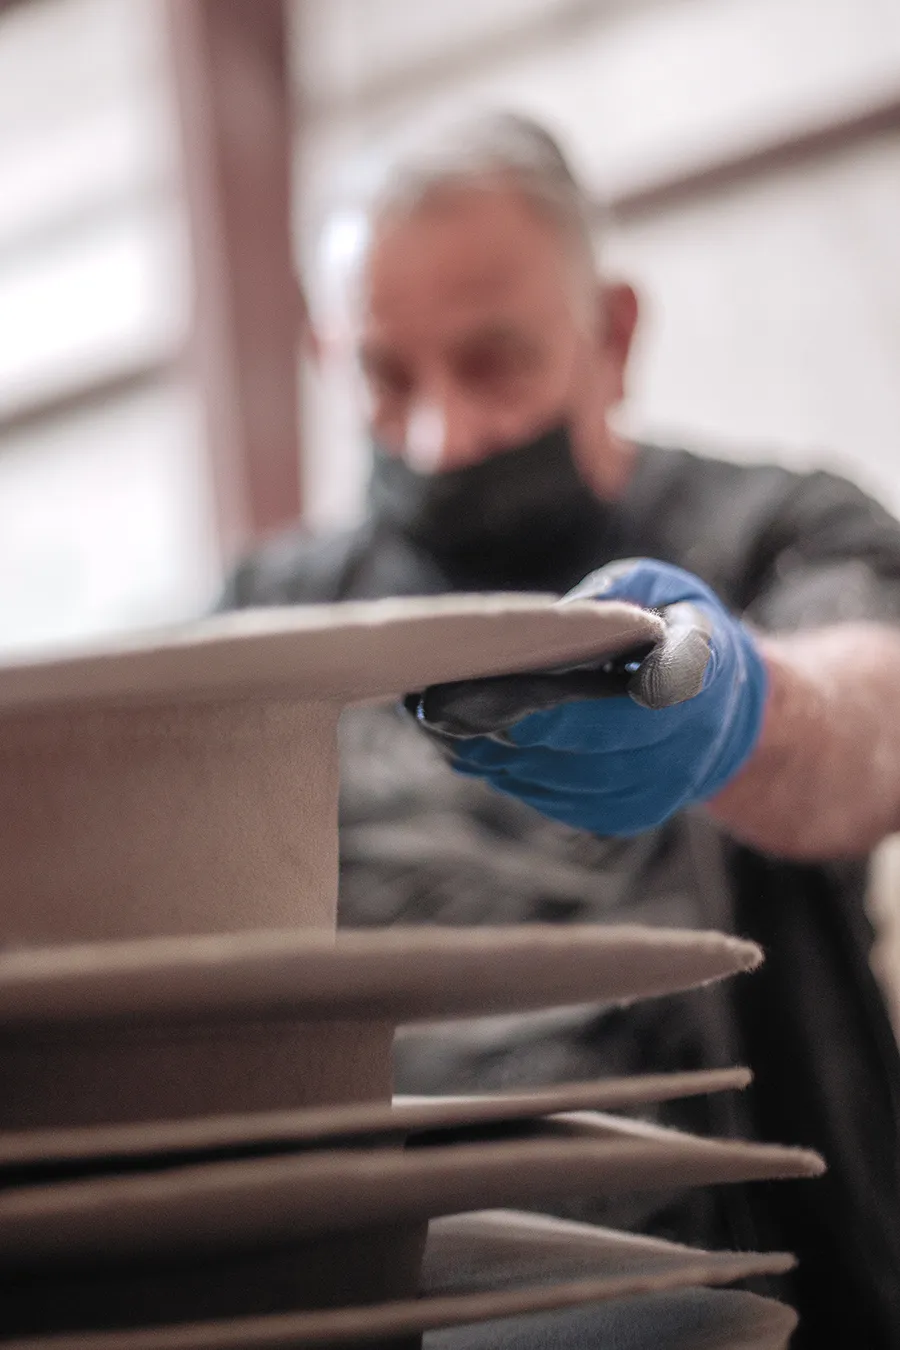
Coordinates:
(680, 666)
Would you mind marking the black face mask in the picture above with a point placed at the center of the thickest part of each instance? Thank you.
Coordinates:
(518, 520)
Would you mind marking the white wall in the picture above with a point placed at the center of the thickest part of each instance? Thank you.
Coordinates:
(101, 521)
(772, 318)
(104, 514)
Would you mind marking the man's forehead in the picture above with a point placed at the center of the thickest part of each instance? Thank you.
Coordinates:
(474, 258)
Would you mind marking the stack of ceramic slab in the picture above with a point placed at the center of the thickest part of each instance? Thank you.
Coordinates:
(198, 1145)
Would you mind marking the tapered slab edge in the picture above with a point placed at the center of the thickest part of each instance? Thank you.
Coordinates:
(343, 653)
(401, 974)
(346, 1326)
(189, 1210)
(320, 1124)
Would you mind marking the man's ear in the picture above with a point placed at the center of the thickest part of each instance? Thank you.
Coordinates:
(618, 318)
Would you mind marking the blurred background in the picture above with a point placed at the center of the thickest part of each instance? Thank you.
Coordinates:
(168, 167)
(749, 152)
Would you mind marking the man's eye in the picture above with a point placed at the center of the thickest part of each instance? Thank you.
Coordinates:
(491, 367)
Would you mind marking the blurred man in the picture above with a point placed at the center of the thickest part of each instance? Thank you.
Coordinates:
(493, 358)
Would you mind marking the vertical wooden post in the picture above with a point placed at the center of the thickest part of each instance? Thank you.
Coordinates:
(232, 83)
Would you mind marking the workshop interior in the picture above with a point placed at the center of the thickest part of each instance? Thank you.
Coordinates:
(399, 944)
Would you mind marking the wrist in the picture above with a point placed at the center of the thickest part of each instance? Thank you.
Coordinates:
(742, 720)
(792, 711)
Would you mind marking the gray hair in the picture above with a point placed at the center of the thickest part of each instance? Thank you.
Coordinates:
(482, 150)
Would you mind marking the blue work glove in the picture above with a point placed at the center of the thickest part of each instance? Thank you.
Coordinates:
(660, 732)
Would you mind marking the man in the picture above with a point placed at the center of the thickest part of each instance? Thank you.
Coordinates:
(493, 359)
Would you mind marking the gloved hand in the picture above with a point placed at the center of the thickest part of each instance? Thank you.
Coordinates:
(616, 764)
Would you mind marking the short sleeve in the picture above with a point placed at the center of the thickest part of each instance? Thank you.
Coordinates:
(832, 555)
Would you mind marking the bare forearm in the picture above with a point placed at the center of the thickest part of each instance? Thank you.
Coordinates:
(824, 780)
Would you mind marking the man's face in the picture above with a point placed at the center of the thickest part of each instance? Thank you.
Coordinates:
(478, 333)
